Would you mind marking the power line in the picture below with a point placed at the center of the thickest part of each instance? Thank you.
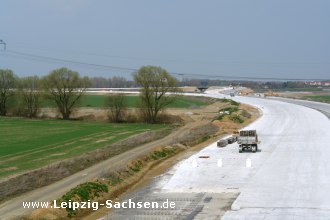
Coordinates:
(58, 60)
(177, 60)
(28, 56)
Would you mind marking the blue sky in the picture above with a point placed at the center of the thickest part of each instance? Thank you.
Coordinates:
(247, 38)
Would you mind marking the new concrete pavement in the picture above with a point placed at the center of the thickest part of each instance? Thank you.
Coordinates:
(290, 176)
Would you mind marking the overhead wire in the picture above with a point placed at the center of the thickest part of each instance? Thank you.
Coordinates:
(174, 60)
(59, 60)
(47, 59)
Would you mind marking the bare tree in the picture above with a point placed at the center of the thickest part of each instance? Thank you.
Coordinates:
(66, 88)
(113, 82)
(118, 82)
(116, 105)
(29, 96)
(156, 82)
(7, 86)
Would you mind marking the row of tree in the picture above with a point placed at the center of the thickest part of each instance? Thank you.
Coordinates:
(24, 95)
(66, 87)
(121, 82)
(112, 82)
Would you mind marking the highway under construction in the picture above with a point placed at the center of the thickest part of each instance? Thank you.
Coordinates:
(288, 178)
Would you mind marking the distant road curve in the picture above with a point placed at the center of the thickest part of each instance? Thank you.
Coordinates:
(323, 107)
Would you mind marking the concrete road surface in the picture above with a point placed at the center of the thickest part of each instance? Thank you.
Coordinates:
(323, 107)
(288, 179)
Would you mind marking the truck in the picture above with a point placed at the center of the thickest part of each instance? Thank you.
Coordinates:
(248, 140)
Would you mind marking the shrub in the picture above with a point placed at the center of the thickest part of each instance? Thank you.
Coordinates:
(83, 192)
(224, 100)
(205, 138)
(136, 166)
(220, 117)
(236, 119)
(229, 109)
(162, 153)
(114, 179)
(232, 102)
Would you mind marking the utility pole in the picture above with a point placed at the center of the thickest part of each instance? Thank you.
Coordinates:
(4, 44)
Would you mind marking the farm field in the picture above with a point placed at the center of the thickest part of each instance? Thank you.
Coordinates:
(306, 89)
(132, 101)
(29, 144)
(318, 98)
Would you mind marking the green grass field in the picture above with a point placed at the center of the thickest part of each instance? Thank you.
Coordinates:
(28, 144)
(319, 98)
(308, 89)
(132, 101)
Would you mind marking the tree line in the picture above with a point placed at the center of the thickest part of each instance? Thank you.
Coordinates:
(65, 87)
(121, 82)
(112, 82)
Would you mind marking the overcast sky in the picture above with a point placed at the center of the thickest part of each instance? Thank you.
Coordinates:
(248, 38)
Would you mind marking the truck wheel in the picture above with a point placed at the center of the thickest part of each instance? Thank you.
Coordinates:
(254, 149)
(240, 149)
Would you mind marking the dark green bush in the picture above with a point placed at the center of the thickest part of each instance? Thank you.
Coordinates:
(163, 153)
(232, 102)
(83, 192)
(229, 109)
(236, 119)
(136, 166)
(205, 138)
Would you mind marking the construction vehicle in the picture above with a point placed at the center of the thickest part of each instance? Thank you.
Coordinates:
(248, 140)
